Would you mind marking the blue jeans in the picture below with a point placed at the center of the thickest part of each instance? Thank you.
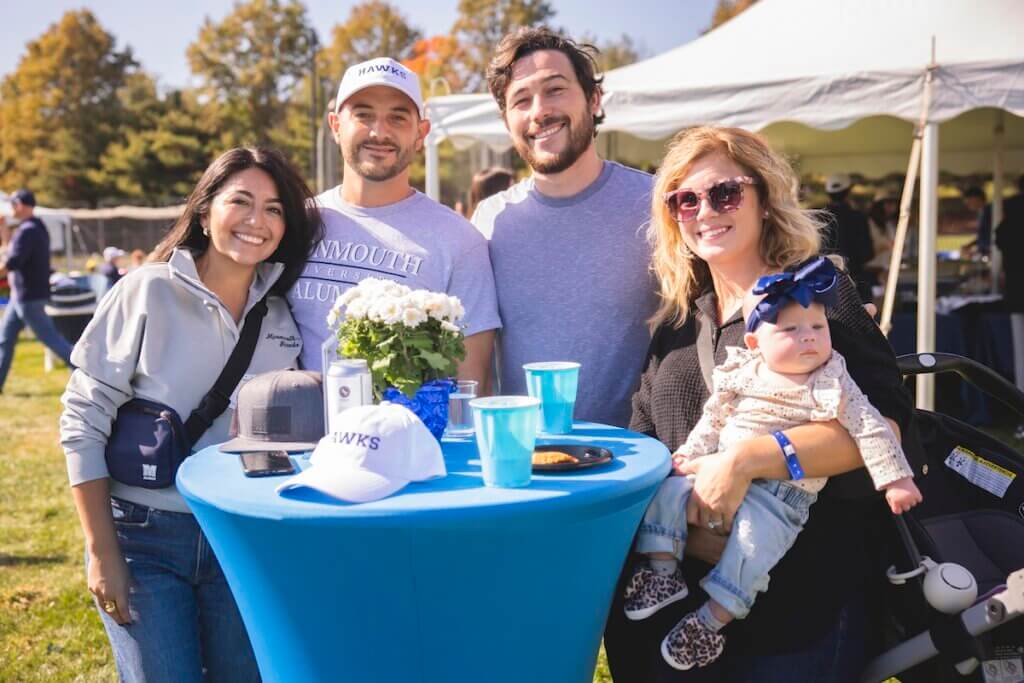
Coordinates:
(31, 313)
(185, 624)
(765, 527)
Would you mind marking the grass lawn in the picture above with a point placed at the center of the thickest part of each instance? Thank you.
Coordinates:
(48, 629)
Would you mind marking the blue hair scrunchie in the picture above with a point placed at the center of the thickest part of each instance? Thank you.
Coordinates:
(814, 282)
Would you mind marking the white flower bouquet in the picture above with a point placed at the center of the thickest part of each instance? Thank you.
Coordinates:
(408, 337)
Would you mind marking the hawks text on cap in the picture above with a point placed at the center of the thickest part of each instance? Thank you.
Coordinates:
(381, 71)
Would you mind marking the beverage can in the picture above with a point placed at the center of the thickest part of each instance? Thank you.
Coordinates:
(347, 383)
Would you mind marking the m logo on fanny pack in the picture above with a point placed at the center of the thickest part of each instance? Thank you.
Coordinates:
(149, 472)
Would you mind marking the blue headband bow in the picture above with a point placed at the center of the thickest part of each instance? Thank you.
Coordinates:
(814, 282)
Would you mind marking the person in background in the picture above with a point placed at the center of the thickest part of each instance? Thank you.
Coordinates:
(137, 259)
(377, 225)
(883, 217)
(27, 263)
(244, 236)
(847, 233)
(571, 265)
(977, 204)
(487, 182)
(111, 269)
(1010, 240)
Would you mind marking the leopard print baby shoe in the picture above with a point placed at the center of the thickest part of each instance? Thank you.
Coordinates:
(648, 591)
(691, 644)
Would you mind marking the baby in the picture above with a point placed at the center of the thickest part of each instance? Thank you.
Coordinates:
(788, 375)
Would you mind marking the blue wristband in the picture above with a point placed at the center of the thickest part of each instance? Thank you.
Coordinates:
(789, 453)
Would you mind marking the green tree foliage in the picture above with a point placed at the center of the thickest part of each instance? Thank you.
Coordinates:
(61, 108)
(373, 29)
(162, 152)
(614, 53)
(726, 10)
(248, 64)
(479, 27)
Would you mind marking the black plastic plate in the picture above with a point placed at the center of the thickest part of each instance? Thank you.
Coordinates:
(586, 456)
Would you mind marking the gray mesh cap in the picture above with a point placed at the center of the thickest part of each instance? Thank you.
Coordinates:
(280, 410)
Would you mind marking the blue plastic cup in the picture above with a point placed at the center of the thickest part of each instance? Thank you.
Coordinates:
(555, 384)
(506, 430)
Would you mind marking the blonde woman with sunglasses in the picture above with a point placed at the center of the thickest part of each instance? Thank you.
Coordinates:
(724, 213)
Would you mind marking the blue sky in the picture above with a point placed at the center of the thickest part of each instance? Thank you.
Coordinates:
(159, 32)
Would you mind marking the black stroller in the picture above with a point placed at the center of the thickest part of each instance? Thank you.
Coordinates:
(969, 530)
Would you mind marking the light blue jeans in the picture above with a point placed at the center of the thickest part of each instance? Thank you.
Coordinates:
(766, 526)
(31, 313)
(185, 624)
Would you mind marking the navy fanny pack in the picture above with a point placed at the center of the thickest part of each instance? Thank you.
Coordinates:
(147, 444)
(148, 440)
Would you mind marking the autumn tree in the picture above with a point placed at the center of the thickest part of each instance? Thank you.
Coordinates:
(60, 109)
(726, 10)
(248, 64)
(614, 53)
(163, 149)
(372, 29)
(432, 59)
(479, 27)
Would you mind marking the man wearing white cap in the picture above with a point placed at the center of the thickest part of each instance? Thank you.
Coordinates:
(110, 268)
(377, 225)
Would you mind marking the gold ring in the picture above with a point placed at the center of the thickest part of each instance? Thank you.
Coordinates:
(109, 606)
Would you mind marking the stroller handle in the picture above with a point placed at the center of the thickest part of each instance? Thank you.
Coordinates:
(971, 371)
(977, 619)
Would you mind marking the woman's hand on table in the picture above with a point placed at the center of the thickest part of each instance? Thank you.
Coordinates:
(718, 491)
(108, 579)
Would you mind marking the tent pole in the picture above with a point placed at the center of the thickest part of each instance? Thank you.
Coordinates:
(896, 258)
(906, 198)
(926, 265)
(433, 181)
(996, 258)
(68, 248)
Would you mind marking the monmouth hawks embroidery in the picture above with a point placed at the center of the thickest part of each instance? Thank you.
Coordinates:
(334, 265)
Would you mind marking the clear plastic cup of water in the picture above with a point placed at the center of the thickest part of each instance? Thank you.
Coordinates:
(460, 415)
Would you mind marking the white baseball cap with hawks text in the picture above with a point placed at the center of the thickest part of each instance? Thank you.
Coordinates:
(374, 452)
(381, 71)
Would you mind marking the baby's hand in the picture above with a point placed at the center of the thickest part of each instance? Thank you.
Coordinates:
(902, 495)
(678, 460)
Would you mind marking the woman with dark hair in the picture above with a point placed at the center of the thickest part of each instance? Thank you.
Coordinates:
(487, 182)
(724, 213)
(164, 333)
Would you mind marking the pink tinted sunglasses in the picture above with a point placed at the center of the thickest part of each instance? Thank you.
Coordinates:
(725, 196)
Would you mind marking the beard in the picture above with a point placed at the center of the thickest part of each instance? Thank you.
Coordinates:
(580, 137)
(376, 171)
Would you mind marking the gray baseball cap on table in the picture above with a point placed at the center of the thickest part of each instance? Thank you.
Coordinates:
(281, 410)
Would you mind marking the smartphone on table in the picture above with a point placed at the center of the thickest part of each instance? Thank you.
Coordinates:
(266, 464)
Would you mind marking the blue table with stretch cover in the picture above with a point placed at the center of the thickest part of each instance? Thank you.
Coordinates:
(446, 581)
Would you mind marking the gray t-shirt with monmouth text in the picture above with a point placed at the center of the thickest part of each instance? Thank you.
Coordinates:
(573, 282)
(415, 242)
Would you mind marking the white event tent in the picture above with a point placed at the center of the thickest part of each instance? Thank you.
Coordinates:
(835, 84)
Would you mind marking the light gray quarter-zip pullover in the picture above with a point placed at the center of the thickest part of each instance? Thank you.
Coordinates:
(161, 335)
